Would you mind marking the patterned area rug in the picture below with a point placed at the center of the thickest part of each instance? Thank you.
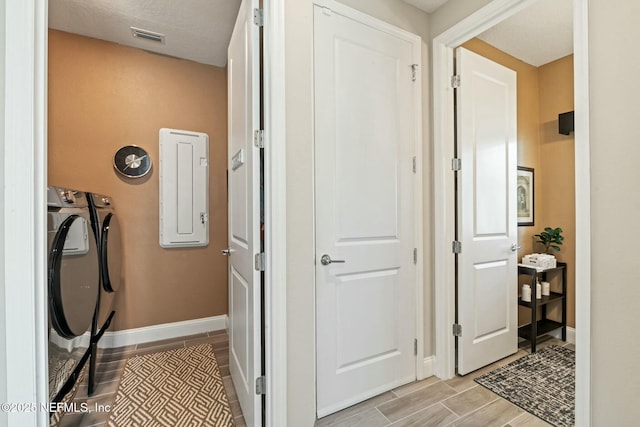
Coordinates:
(180, 387)
(541, 383)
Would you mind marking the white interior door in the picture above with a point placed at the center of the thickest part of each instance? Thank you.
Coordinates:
(487, 222)
(243, 167)
(365, 139)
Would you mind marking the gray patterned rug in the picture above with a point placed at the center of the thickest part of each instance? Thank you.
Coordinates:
(181, 387)
(541, 383)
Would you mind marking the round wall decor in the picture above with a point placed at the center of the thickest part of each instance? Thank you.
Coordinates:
(132, 161)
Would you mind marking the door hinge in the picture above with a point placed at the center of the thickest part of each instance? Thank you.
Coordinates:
(258, 17)
(204, 217)
(258, 138)
(457, 330)
(415, 347)
(455, 82)
(456, 247)
(414, 164)
(259, 261)
(414, 72)
(415, 255)
(261, 386)
(456, 164)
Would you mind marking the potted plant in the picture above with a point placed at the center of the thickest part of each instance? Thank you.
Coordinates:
(551, 238)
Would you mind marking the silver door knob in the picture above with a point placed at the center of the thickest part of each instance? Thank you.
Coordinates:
(515, 247)
(326, 260)
(226, 252)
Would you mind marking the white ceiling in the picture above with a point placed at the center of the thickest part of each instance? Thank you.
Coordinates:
(537, 35)
(198, 30)
(428, 6)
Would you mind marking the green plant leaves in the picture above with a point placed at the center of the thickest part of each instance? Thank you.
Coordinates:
(551, 238)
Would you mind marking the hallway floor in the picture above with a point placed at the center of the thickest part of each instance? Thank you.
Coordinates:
(111, 365)
(432, 402)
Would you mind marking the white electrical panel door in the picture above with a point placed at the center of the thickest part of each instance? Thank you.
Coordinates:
(184, 188)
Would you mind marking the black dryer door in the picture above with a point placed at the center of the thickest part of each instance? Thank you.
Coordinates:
(111, 253)
(73, 277)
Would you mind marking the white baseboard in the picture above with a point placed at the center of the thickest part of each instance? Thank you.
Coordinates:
(69, 345)
(427, 366)
(163, 331)
(571, 335)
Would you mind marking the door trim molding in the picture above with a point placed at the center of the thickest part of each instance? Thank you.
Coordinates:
(443, 131)
(443, 148)
(422, 370)
(583, 211)
(275, 224)
(24, 228)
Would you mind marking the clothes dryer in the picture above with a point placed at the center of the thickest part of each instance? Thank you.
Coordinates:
(73, 275)
(106, 231)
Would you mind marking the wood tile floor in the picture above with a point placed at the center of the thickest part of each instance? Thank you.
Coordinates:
(431, 402)
(111, 365)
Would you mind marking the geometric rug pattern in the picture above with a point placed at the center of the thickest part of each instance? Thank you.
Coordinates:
(542, 383)
(181, 387)
(55, 418)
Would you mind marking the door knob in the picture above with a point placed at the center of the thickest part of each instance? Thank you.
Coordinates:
(515, 247)
(226, 252)
(326, 260)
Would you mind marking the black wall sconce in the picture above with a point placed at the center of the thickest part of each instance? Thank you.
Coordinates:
(566, 123)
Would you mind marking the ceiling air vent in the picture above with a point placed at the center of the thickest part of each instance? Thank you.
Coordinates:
(147, 35)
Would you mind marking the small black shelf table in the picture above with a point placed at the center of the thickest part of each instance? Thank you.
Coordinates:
(543, 325)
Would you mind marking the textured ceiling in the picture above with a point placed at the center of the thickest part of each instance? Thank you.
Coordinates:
(537, 35)
(198, 30)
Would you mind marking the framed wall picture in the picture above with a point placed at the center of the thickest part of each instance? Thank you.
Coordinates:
(525, 196)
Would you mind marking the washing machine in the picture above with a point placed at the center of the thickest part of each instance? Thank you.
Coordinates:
(73, 280)
(106, 232)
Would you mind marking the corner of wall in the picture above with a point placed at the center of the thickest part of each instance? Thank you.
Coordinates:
(453, 12)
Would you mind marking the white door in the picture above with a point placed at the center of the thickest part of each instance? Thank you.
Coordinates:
(487, 222)
(244, 206)
(365, 136)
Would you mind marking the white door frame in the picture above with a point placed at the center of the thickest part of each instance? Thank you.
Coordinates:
(23, 232)
(275, 199)
(25, 167)
(443, 46)
(418, 189)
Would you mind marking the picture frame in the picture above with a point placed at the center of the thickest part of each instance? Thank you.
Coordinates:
(525, 196)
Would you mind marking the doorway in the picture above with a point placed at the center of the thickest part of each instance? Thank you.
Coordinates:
(443, 152)
(366, 223)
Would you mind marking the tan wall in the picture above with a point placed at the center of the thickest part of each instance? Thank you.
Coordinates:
(299, 136)
(103, 96)
(555, 182)
(615, 202)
